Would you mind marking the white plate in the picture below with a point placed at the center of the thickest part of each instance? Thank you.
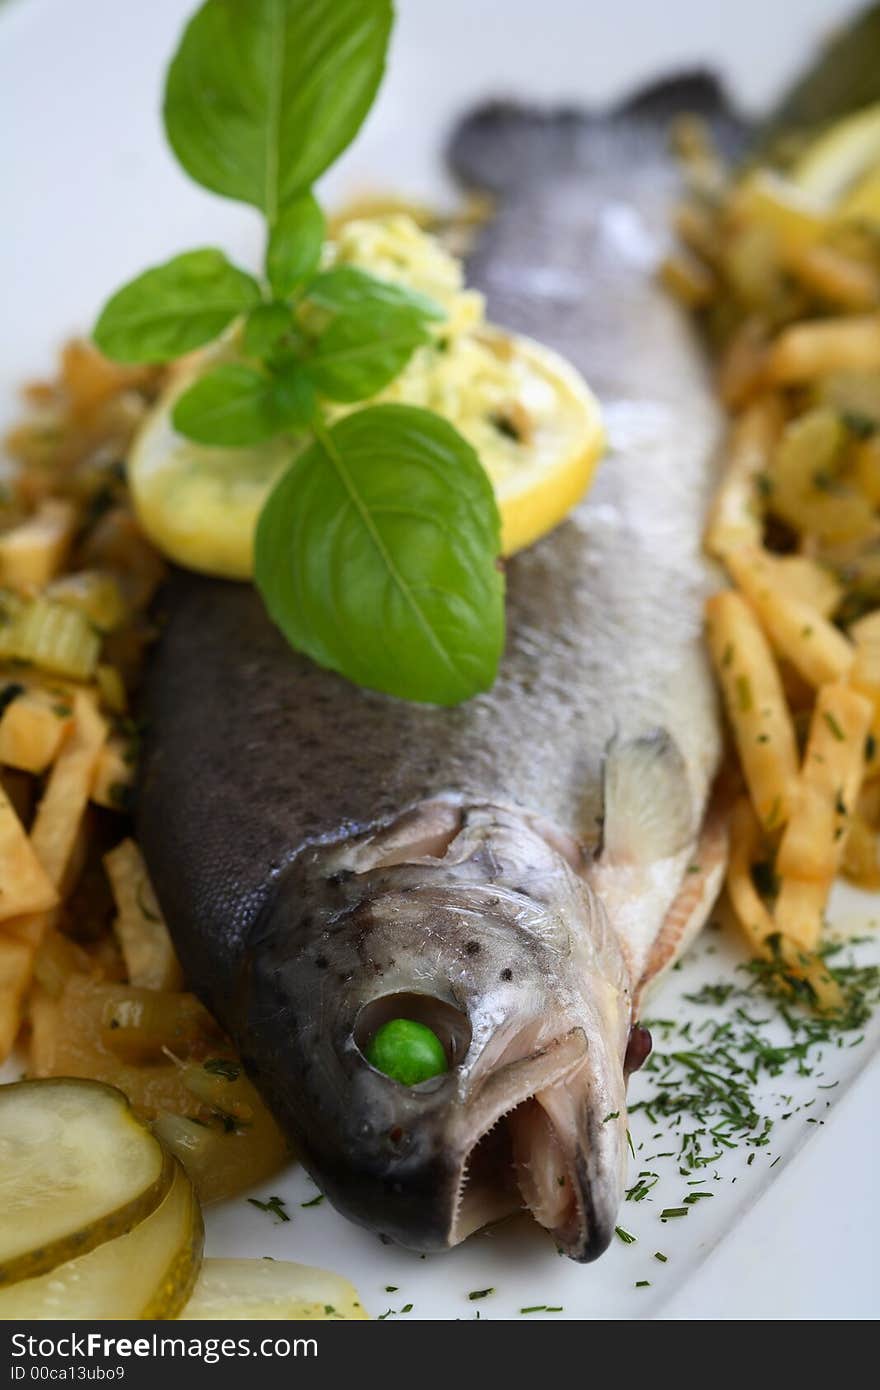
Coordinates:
(91, 197)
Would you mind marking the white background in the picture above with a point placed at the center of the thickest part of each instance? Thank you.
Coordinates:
(91, 196)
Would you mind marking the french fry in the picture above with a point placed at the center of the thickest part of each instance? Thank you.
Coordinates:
(817, 650)
(742, 371)
(866, 631)
(114, 775)
(861, 863)
(836, 278)
(32, 553)
(865, 678)
(24, 884)
(748, 906)
(736, 512)
(16, 959)
(815, 348)
(60, 813)
(762, 931)
(149, 956)
(828, 788)
(799, 912)
(688, 278)
(32, 729)
(764, 199)
(756, 706)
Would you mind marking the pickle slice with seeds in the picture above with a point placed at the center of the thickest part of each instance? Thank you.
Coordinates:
(77, 1168)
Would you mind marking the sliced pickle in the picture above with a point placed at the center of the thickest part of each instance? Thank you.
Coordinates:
(147, 1273)
(238, 1290)
(76, 1169)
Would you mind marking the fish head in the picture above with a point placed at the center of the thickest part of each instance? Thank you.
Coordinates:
(478, 923)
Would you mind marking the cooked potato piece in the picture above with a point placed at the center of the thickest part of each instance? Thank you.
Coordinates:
(817, 650)
(123, 1036)
(24, 885)
(736, 512)
(150, 959)
(32, 553)
(59, 815)
(78, 1169)
(95, 594)
(809, 350)
(806, 490)
(33, 727)
(271, 1289)
(756, 706)
(812, 583)
(147, 1273)
(241, 1147)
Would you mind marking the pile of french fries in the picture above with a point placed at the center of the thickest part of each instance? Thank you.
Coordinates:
(89, 981)
(789, 296)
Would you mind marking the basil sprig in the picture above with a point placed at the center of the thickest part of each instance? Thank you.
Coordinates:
(376, 552)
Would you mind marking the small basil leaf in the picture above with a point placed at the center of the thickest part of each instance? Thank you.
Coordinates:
(348, 287)
(361, 351)
(376, 556)
(236, 405)
(262, 96)
(263, 327)
(173, 308)
(294, 247)
(295, 399)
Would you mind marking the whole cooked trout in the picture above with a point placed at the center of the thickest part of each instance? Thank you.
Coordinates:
(512, 871)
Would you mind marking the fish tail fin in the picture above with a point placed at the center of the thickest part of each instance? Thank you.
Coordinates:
(505, 144)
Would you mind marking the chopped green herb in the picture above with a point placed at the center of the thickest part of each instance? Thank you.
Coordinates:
(314, 1201)
(834, 726)
(658, 1255)
(625, 1236)
(744, 694)
(479, 1293)
(275, 1205)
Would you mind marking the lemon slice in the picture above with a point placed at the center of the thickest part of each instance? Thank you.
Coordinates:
(199, 505)
(842, 168)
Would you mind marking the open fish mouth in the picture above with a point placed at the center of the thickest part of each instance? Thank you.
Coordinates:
(551, 1141)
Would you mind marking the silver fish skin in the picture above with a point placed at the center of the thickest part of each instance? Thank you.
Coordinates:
(513, 871)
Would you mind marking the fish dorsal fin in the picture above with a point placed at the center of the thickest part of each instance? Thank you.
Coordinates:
(505, 145)
(648, 807)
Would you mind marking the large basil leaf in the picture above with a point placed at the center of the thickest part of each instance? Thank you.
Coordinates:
(262, 95)
(376, 556)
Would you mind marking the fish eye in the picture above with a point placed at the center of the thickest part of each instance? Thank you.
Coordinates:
(432, 1022)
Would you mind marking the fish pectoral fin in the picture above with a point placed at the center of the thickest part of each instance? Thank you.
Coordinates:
(648, 811)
